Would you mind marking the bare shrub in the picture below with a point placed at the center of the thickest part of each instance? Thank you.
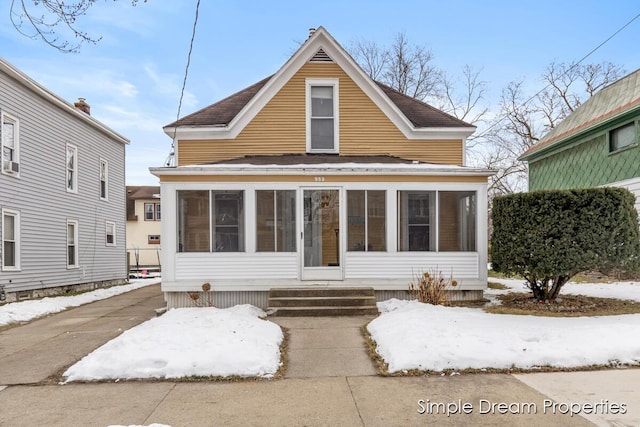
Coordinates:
(431, 287)
(204, 298)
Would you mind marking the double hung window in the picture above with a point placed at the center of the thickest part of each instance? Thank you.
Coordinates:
(322, 115)
(10, 240)
(9, 144)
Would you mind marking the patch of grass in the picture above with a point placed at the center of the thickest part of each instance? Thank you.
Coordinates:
(566, 306)
(495, 285)
(497, 275)
(382, 367)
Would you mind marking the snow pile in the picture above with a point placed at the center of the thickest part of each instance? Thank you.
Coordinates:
(24, 311)
(413, 335)
(188, 342)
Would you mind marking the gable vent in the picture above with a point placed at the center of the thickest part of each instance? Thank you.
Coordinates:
(321, 56)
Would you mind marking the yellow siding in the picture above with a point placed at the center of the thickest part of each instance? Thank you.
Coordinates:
(280, 128)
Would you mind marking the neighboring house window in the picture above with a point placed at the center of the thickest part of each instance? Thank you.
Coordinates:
(416, 213)
(276, 220)
(104, 175)
(10, 144)
(622, 137)
(110, 233)
(152, 211)
(210, 221)
(72, 243)
(72, 168)
(366, 218)
(457, 221)
(153, 239)
(322, 115)
(10, 240)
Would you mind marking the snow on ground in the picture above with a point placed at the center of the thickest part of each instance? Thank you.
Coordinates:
(188, 342)
(24, 311)
(412, 335)
(619, 290)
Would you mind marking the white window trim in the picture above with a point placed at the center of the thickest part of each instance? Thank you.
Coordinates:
(106, 179)
(336, 113)
(75, 240)
(16, 224)
(108, 225)
(75, 169)
(16, 135)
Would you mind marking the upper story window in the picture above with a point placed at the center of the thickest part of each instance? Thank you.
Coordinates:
(152, 212)
(104, 175)
(622, 137)
(322, 115)
(10, 144)
(72, 168)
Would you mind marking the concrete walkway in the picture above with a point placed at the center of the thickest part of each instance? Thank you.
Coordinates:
(326, 347)
(330, 381)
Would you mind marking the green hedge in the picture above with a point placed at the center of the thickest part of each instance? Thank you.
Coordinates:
(549, 236)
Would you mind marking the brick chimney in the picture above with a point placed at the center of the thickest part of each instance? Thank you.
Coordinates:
(82, 105)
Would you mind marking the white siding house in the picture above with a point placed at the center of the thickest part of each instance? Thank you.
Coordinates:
(62, 193)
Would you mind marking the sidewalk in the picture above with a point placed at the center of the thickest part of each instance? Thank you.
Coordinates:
(329, 381)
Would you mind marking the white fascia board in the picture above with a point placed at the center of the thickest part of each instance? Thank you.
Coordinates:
(321, 39)
(45, 93)
(372, 169)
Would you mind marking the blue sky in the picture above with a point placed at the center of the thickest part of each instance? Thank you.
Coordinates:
(132, 77)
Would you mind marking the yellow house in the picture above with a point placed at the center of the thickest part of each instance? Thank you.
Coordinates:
(143, 228)
(318, 176)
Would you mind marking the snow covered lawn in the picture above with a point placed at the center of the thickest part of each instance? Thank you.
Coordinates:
(412, 335)
(188, 342)
(24, 311)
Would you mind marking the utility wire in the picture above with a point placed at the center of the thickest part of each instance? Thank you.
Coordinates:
(565, 73)
(171, 158)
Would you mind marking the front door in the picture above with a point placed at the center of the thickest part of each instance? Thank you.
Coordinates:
(321, 257)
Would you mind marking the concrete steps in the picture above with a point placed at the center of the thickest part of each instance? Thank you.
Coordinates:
(322, 302)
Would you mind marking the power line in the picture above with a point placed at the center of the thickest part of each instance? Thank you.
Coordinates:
(171, 158)
(565, 73)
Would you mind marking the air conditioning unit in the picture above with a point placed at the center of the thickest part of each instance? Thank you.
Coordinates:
(9, 166)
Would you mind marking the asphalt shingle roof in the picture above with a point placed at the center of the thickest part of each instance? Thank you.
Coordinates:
(419, 113)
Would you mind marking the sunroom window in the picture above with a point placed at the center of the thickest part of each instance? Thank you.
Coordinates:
(416, 214)
(366, 218)
(276, 220)
(457, 221)
(210, 221)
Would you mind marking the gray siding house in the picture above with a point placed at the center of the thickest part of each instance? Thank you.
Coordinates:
(62, 194)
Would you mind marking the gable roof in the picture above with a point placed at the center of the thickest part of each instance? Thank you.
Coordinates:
(620, 97)
(137, 192)
(224, 111)
(226, 118)
(51, 97)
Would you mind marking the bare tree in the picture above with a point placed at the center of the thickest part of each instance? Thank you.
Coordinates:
(54, 21)
(404, 67)
(525, 119)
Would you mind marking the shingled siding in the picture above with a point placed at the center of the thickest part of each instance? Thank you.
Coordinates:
(588, 164)
(281, 128)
